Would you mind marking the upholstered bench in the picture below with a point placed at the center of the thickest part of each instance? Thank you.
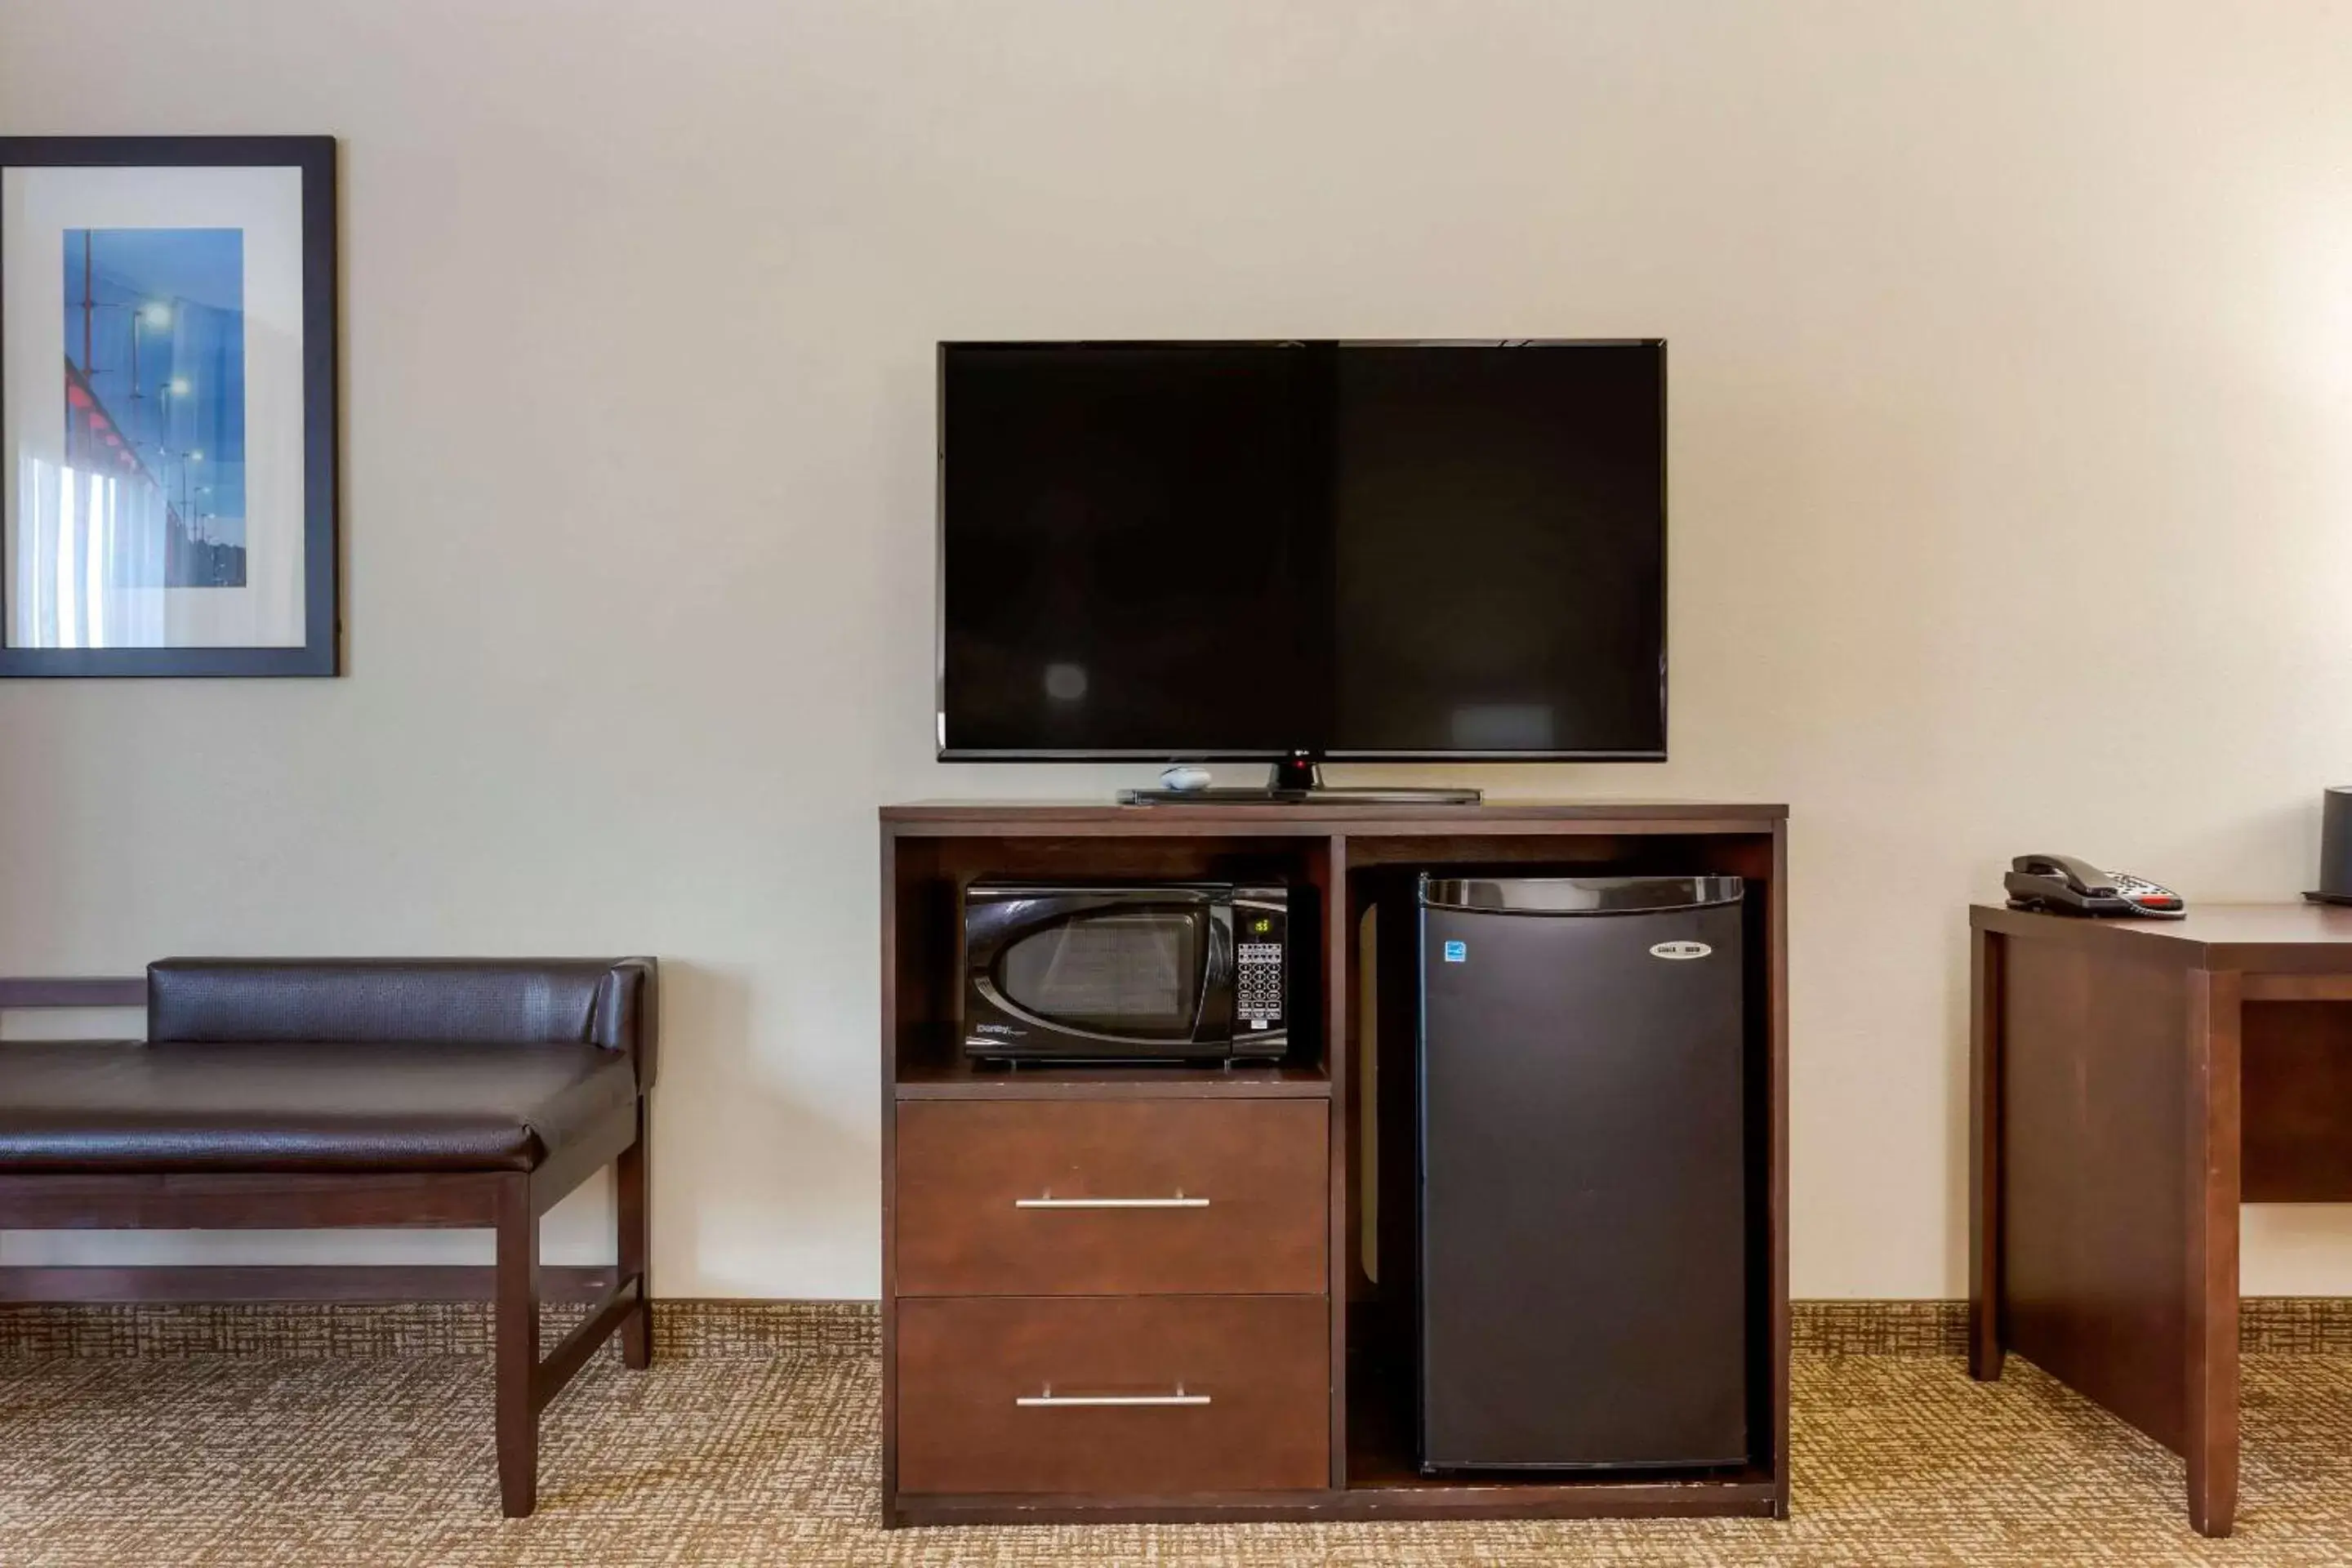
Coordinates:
(288, 1094)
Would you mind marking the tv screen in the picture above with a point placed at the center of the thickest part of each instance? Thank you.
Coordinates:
(1177, 550)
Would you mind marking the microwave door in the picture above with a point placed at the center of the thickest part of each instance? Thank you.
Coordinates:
(1086, 974)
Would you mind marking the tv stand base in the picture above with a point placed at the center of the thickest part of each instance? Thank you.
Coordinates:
(1295, 781)
(1299, 797)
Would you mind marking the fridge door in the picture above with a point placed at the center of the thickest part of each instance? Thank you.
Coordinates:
(1583, 1214)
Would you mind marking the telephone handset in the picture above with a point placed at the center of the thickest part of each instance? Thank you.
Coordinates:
(2063, 885)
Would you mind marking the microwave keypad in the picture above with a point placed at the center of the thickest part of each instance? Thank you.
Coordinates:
(1258, 1001)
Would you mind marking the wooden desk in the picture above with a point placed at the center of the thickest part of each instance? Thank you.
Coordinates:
(2132, 1082)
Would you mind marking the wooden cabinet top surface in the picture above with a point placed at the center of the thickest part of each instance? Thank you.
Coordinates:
(1084, 816)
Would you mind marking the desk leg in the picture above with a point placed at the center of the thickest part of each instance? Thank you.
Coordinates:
(1985, 1350)
(2211, 1444)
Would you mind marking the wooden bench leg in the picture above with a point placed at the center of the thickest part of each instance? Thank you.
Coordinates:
(516, 1330)
(633, 1200)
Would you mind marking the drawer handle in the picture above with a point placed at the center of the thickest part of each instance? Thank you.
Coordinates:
(1049, 1400)
(1050, 1202)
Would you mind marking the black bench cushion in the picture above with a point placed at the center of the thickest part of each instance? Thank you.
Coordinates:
(274, 1106)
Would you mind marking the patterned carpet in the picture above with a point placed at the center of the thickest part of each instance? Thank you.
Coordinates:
(762, 1451)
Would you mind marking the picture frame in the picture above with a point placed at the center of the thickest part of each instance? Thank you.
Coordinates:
(169, 411)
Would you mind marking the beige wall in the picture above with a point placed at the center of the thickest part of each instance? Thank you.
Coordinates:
(2011, 468)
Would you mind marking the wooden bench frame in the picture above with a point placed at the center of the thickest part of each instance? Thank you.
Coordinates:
(508, 1203)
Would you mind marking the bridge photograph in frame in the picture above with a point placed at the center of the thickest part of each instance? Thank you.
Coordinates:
(168, 422)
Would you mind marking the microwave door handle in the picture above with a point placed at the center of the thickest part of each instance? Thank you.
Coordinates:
(1210, 1021)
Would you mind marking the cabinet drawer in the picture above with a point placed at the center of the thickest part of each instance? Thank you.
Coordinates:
(1141, 1396)
(1111, 1198)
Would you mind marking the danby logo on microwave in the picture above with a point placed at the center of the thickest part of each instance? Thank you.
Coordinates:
(1001, 1029)
(1680, 949)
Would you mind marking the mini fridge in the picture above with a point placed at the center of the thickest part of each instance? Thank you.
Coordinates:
(1584, 1215)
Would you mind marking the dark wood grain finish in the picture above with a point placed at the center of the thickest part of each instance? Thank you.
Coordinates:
(2297, 988)
(1259, 1360)
(1986, 1351)
(1065, 818)
(239, 1202)
(2264, 941)
(2092, 1265)
(908, 974)
(633, 1242)
(515, 1400)
(1347, 853)
(1511, 852)
(1775, 1154)
(2209, 1194)
(2296, 1060)
(959, 1077)
(2147, 1077)
(1200, 854)
(1668, 849)
(1337, 980)
(350, 1282)
(1260, 1167)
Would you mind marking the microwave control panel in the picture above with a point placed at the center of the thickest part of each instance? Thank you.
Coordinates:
(1260, 918)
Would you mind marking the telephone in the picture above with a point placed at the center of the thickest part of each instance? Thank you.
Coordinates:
(2063, 885)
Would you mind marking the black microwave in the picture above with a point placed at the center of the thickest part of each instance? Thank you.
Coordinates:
(1127, 971)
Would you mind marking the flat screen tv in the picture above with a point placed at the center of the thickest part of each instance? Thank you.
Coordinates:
(1295, 551)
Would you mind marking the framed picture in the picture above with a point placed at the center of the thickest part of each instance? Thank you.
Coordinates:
(167, 406)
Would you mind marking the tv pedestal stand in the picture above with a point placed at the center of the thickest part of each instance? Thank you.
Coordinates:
(1297, 780)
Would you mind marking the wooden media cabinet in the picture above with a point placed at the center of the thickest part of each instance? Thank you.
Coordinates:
(1272, 1323)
